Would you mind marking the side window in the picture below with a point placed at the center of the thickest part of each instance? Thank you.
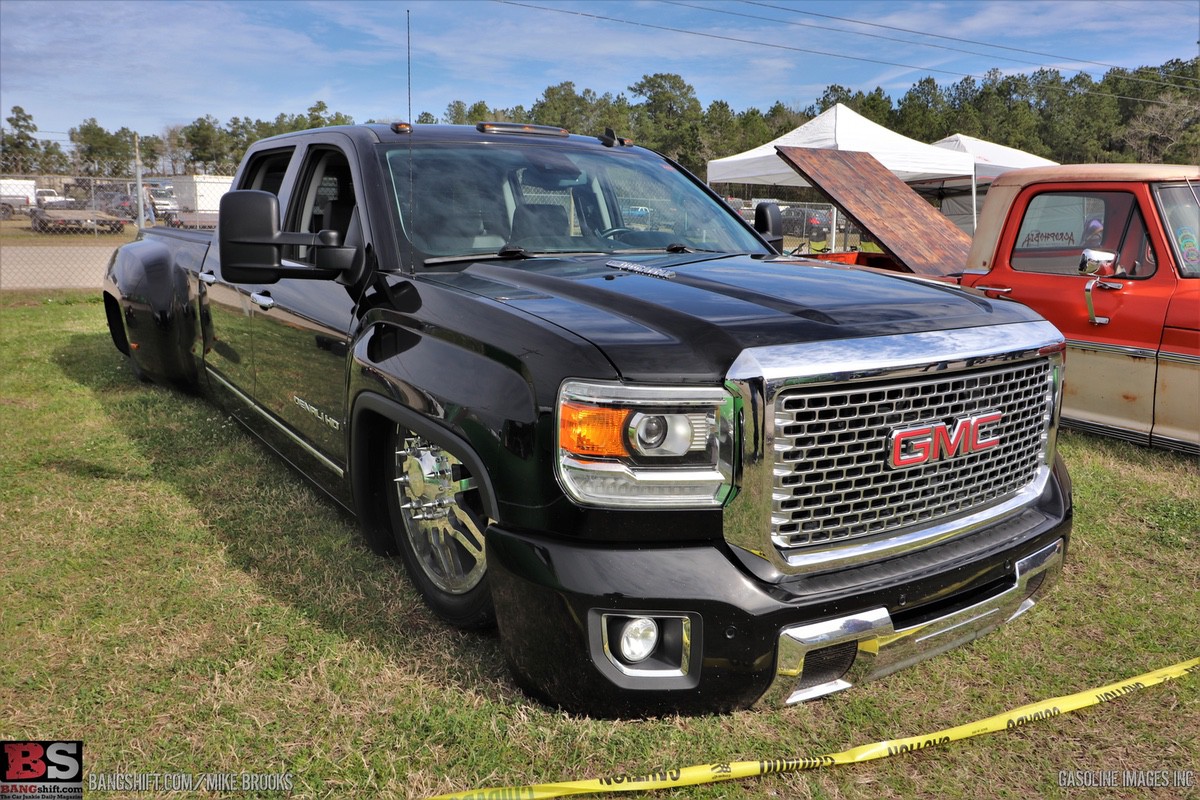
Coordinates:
(1058, 226)
(324, 201)
(266, 171)
(1136, 257)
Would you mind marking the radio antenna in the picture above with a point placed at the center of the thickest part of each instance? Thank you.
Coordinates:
(411, 211)
(408, 26)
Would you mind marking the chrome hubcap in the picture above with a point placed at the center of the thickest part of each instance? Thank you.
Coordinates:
(444, 534)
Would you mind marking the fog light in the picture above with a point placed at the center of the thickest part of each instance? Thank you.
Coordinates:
(639, 637)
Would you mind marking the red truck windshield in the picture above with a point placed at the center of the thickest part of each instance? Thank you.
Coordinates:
(1180, 206)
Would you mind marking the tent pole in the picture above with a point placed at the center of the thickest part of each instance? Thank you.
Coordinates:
(974, 198)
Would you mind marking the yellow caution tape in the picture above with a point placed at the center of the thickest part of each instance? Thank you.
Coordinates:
(736, 770)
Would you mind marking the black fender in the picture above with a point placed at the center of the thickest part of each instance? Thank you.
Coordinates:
(481, 379)
(456, 381)
(155, 312)
(370, 419)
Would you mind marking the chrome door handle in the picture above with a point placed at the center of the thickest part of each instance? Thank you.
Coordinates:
(1087, 296)
(208, 277)
(996, 289)
(262, 300)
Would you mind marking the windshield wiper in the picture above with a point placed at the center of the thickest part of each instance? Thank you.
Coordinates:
(678, 247)
(508, 251)
(675, 247)
(454, 259)
(511, 252)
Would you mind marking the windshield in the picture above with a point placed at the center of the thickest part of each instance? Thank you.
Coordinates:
(1180, 207)
(470, 199)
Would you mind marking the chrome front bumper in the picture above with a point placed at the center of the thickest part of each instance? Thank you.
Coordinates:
(825, 657)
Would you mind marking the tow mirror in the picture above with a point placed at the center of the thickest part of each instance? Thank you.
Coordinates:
(768, 220)
(1097, 262)
(247, 225)
(249, 242)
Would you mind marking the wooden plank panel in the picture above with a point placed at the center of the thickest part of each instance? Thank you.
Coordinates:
(904, 225)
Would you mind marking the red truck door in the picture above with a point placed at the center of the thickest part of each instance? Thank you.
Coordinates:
(1113, 318)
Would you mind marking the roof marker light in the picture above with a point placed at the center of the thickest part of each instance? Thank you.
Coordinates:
(518, 127)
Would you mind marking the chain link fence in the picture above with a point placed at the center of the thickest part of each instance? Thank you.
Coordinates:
(807, 227)
(59, 231)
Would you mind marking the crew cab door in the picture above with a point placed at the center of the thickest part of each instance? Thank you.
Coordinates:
(302, 326)
(226, 310)
(1112, 319)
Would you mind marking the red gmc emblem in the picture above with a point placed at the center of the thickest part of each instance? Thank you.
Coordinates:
(936, 441)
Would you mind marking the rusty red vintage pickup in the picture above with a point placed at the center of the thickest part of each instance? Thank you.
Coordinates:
(1106, 252)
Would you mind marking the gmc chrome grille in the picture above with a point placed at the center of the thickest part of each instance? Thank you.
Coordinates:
(832, 478)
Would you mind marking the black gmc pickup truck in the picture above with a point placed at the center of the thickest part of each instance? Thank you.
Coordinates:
(587, 403)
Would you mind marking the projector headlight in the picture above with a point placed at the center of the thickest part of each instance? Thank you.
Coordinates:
(624, 445)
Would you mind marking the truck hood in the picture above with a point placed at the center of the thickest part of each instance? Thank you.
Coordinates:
(697, 312)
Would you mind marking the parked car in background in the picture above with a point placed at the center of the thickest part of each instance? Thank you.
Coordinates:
(1109, 253)
(50, 198)
(164, 201)
(117, 203)
(804, 222)
(17, 196)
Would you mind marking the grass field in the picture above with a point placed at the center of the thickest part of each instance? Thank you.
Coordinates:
(176, 598)
(19, 231)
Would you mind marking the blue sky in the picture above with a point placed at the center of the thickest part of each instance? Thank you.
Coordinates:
(149, 64)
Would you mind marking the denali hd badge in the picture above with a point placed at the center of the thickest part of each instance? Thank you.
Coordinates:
(641, 269)
(924, 444)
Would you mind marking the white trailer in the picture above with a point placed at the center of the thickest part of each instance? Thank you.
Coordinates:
(201, 193)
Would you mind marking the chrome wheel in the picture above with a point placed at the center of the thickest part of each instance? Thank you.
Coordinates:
(442, 533)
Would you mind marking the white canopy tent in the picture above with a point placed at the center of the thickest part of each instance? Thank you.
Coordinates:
(991, 160)
(840, 128)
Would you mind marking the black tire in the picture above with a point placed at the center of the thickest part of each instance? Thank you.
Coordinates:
(438, 521)
(6, 212)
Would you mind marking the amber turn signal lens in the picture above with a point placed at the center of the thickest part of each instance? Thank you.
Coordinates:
(593, 431)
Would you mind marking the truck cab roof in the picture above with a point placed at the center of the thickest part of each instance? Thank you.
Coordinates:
(395, 132)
